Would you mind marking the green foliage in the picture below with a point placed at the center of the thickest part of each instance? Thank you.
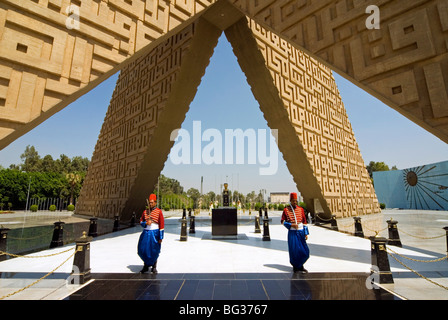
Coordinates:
(194, 195)
(281, 207)
(46, 178)
(258, 205)
(14, 186)
(174, 201)
(52, 208)
(32, 162)
(33, 208)
(168, 185)
(71, 207)
(382, 206)
(378, 166)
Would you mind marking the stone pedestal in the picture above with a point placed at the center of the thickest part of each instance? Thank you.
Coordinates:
(81, 261)
(446, 229)
(183, 227)
(358, 227)
(257, 224)
(266, 235)
(380, 261)
(224, 222)
(116, 224)
(58, 235)
(3, 242)
(93, 227)
(394, 237)
(192, 224)
(334, 223)
(133, 218)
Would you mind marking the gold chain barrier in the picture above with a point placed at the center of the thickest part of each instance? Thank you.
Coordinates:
(391, 253)
(45, 276)
(44, 256)
(323, 219)
(435, 237)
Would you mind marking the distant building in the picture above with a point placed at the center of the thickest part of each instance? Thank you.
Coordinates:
(281, 197)
(422, 187)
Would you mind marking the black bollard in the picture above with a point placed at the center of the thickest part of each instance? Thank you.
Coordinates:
(133, 218)
(266, 236)
(334, 223)
(81, 261)
(317, 219)
(380, 261)
(93, 227)
(189, 212)
(183, 228)
(446, 229)
(394, 237)
(257, 224)
(192, 230)
(358, 227)
(58, 235)
(116, 224)
(3, 243)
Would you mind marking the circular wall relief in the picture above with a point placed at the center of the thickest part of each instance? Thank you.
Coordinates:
(411, 178)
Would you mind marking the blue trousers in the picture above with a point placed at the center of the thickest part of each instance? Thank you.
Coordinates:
(298, 248)
(148, 248)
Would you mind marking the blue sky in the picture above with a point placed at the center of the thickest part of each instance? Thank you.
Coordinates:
(224, 101)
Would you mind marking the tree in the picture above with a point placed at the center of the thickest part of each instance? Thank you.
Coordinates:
(62, 164)
(377, 166)
(194, 194)
(48, 164)
(73, 180)
(211, 195)
(250, 197)
(31, 159)
(79, 164)
(167, 185)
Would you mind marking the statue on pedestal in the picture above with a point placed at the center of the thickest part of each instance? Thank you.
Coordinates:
(225, 196)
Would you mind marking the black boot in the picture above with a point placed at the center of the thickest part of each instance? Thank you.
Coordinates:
(153, 269)
(302, 270)
(145, 268)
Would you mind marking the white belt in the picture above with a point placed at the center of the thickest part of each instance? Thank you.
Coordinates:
(152, 226)
(300, 227)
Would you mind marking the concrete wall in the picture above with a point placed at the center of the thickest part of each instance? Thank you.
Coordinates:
(422, 187)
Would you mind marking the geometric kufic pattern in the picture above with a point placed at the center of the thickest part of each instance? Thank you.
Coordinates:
(309, 97)
(134, 141)
(44, 65)
(140, 93)
(404, 63)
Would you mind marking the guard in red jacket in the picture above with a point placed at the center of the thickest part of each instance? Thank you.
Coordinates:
(293, 218)
(150, 241)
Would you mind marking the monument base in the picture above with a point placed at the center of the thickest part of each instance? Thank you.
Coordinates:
(209, 236)
(224, 221)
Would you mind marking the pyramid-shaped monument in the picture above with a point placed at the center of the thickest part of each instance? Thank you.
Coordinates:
(53, 51)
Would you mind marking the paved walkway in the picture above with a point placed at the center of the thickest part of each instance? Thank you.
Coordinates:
(189, 268)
